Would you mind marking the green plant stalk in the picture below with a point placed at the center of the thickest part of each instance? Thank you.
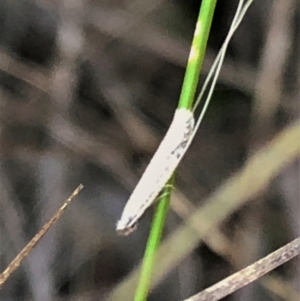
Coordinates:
(186, 99)
(196, 55)
(156, 228)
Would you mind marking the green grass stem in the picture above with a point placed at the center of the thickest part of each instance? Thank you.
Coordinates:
(186, 99)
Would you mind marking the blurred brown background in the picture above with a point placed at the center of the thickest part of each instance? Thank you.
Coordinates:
(87, 91)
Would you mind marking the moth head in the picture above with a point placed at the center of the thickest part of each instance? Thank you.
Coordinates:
(125, 228)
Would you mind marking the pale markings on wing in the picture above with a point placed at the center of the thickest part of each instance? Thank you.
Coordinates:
(159, 170)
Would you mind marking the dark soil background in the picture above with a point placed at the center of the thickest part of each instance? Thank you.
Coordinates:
(88, 90)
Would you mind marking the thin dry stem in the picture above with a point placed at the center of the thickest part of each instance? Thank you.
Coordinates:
(221, 245)
(18, 259)
(249, 274)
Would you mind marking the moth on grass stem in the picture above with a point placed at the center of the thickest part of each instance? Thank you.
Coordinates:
(159, 170)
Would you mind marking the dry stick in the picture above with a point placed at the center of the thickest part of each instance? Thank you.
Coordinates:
(17, 260)
(221, 245)
(249, 274)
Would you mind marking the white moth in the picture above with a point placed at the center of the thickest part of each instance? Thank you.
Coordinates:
(159, 170)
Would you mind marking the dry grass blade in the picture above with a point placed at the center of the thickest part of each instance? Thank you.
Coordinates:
(221, 245)
(33, 76)
(17, 260)
(249, 274)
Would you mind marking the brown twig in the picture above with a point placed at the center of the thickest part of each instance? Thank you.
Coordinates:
(249, 274)
(221, 245)
(18, 259)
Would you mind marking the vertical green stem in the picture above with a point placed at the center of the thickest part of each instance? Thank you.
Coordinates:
(197, 53)
(153, 243)
(186, 99)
